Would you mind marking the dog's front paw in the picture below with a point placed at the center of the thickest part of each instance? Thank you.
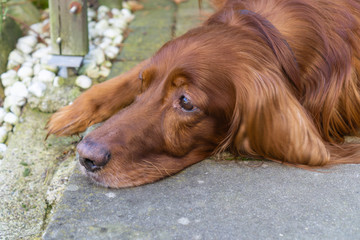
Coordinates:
(69, 120)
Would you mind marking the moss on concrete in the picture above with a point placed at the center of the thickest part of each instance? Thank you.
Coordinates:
(25, 174)
(121, 67)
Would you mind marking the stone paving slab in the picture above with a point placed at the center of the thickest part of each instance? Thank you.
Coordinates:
(145, 40)
(217, 200)
(189, 15)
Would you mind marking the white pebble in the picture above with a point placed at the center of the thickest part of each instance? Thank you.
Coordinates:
(46, 76)
(3, 148)
(101, 26)
(51, 68)
(11, 64)
(14, 101)
(28, 58)
(37, 68)
(45, 59)
(19, 89)
(11, 118)
(104, 71)
(27, 81)
(83, 81)
(92, 33)
(47, 41)
(103, 12)
(28, 64)
(97, 40)
(111, 52)
(37, 88)
(29, 40)
(3, 134)
(25, 71)
(7, 91)
(24, 48)
(8, 127)
(91, 13)
(37, 28)
(116, 12)
(93, 72)
(103, 9)
(9, 78)
(58, 81)
(119, 23)
(15, 110)
(90, 68)
(2, 114)
(117, 40)
(128, 16)
(40, 46)
(41, 52)
(107, 64)
(98, 55)
(111, 33)
(105, 43)
(91, 24)
(16, 56)
(46, 21)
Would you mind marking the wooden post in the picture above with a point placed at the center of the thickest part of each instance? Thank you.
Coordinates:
(69, 27)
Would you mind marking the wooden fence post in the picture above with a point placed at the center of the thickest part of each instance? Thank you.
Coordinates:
(69, 27)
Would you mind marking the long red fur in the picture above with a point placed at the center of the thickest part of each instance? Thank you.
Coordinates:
(276, 79)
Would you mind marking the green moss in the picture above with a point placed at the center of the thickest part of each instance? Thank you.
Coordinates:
(26, 172)
(25, 11)
(24, 164)
(11, 32)
(111, 3)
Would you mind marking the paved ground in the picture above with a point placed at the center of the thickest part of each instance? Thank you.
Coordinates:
(216, 200)
(210, 200)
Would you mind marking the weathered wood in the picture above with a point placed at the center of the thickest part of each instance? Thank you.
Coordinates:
(111, 3)
(69, 31)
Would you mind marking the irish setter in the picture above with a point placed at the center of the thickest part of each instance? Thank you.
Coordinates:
(273, 79)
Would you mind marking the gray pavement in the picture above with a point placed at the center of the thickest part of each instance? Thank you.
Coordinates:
(217, 200)
(212, 199)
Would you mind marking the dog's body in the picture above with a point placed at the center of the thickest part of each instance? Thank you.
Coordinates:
(277, 79)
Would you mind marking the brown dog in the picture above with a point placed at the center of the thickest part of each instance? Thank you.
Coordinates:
(276, 79)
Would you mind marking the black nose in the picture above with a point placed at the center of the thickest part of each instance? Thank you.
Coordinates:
(92, 155)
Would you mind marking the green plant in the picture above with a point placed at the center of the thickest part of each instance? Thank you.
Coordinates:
(3, 12)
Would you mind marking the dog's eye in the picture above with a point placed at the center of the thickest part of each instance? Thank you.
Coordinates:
(186, 104)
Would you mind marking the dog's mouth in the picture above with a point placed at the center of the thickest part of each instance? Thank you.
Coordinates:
(117, 174)
(111, 180)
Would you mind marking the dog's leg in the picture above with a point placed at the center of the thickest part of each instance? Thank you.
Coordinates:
(97, 104)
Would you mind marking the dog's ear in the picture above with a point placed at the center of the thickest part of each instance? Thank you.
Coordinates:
(249, 21)
(269, 122)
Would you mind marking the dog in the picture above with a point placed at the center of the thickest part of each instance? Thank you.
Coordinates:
(270, 79)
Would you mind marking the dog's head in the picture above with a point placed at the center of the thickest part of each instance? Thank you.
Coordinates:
(217, 87)
(180, 117)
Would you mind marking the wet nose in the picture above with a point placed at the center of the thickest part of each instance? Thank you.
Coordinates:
(93, 155)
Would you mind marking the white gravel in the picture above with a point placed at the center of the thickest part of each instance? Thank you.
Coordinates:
(29, 74)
